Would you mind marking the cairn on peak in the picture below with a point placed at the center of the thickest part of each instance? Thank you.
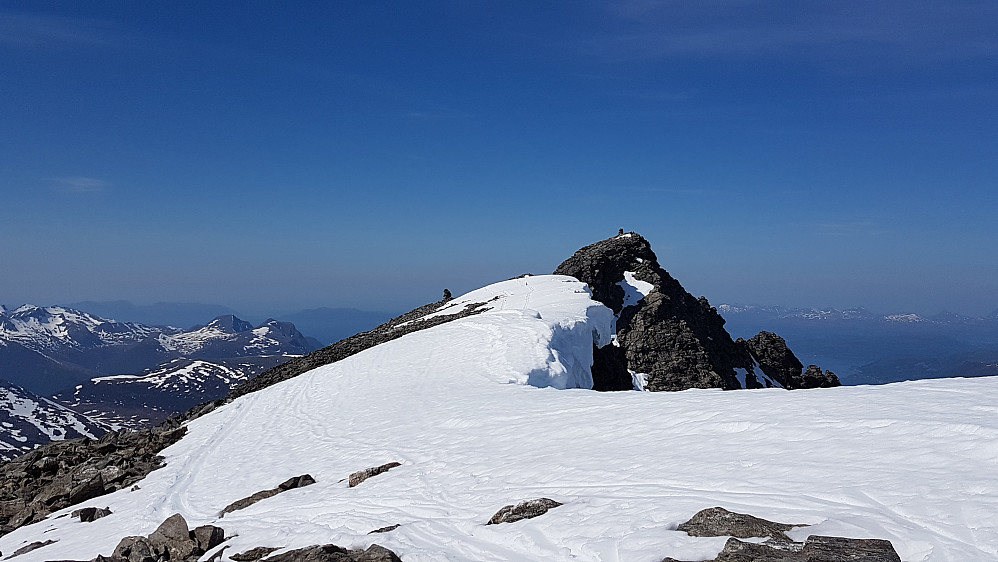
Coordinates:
(676, 340)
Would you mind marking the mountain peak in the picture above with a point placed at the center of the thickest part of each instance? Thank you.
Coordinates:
(230, 324)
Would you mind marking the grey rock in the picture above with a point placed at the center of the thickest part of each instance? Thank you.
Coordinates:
(358, 477)
(254, 553)
(208, 536)
(90, 514)
(837, 549)
(523, 510)
(30, 547)
(814, 549)
(92, 488)
(385, 529)
(719, 522)
(135, 549)
(333, 553)
(289, 484)
(174, 536)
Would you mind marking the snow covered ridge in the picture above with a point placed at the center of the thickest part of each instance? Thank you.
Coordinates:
(27, 420)
(458, 405)
(52, 327)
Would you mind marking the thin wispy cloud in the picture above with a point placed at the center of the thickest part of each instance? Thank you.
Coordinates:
(80, 184)
(33, 31)
(848, 228)
(648, 29)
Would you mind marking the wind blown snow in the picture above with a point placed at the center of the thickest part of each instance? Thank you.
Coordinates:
(915, 463)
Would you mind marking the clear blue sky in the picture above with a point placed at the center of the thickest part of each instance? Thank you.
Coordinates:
(271, 156)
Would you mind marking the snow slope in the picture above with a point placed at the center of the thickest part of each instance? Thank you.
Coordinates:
(482, 412)
(27, 421)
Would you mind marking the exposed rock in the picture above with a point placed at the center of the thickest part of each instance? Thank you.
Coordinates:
(385, 529)
(813, 377)
(719, 522)
(358, 477)
(289, 484)
(90, 514)
(333, 553)
(63, 473)
(775, 358)
(254, 554)
(523, 510)
(780, 364)
(814, 549)
(172, 541)
(28, 548)
(208, 536)
(678, 340)
(834, 549)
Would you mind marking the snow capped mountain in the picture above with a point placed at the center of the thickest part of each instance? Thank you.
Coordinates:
(27, 421)
(150, 397)
(228, 336)
(54, 327)
(490, 409)
(50, 349)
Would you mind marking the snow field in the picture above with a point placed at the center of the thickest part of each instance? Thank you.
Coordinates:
(459, 406)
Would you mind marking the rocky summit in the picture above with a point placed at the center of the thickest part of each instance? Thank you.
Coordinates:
(673, 339)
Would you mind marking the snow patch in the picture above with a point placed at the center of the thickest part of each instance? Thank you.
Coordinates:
(634, 288)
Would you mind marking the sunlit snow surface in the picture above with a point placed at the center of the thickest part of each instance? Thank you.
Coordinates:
(915, 463)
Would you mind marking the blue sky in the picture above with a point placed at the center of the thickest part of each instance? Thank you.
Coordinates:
(274, 156)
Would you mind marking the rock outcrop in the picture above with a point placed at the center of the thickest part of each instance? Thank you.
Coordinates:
(523, 510)
(65, 473)
(361, 475)
(676, 340)
(289, 484)
(333, 553)
(780, 364)
(778, 547)
(172, 541)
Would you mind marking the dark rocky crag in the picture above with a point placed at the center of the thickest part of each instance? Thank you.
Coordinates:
(676, 339)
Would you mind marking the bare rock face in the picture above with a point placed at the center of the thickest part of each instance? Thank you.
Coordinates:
(678, 340)
(523, 510)
(358, 477)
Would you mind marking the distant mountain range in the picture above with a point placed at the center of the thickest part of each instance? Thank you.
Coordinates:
(863, 347)
(327, 325)
(112, 374)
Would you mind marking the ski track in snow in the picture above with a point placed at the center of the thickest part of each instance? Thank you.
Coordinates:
(915, 463)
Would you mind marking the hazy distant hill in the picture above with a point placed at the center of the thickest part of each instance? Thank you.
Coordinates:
(330, 325)
(867, 348)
